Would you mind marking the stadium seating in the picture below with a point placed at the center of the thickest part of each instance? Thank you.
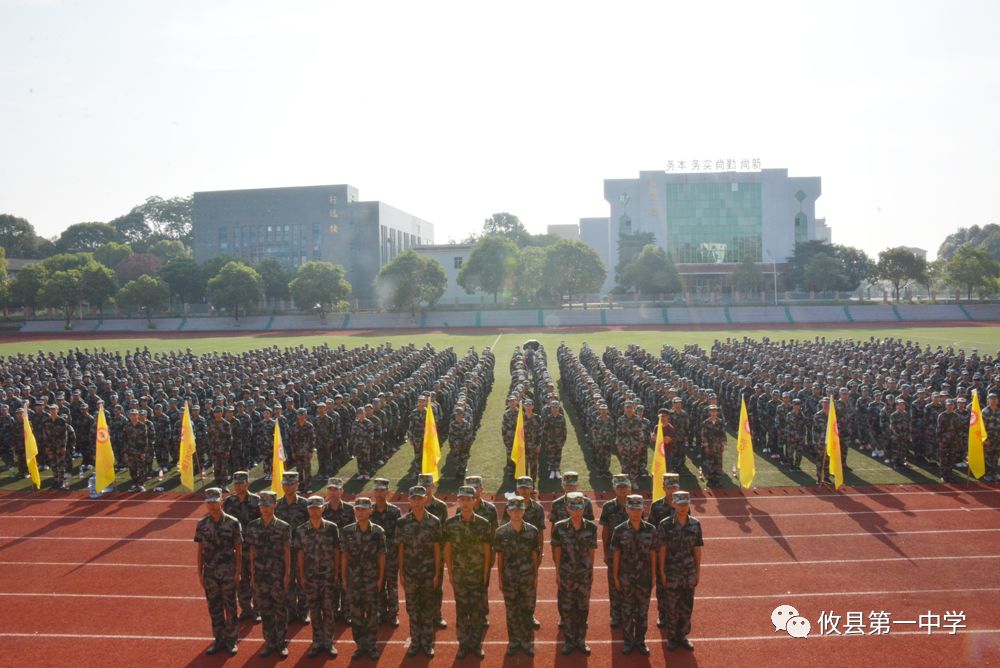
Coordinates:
(988, 312)
(758, 314)
(445, 319)
(922, 312)
(709, 315)
(571, 318)
(809, 314)
(872, 314)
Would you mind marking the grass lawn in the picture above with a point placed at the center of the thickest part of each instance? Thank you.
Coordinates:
(487, 451)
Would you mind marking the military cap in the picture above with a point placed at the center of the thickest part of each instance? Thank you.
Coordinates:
(620, 480)
(529, 402)
(363, 502)
(213, 495)
(663, 411)
(713, 407)
(133, 411)
(467, 491)
(570, 478)
(335, 482)
(681, 498)
(241, 476)
(962, 400)
(474, 481)
(678, 400)
(671, 480)
(290, 478)
(380, 483)
(459, 409)
(900, 400)
(301, 411)
(576, 501)
(217, 409)
(515, 503)
(418, 490)
(633, 502)
(268, 498)
(603, 406)
(315, 501)
(949, 401)
(525, 481)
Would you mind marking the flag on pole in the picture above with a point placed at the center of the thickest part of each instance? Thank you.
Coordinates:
(517, 454)
(432, 447)
(31, 452)
(977, 434)
(278, 459)
(659, 463)
(835, 465)
(187, 453)
(105, 469)
(744, 448)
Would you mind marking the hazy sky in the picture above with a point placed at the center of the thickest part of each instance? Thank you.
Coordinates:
(455, 110)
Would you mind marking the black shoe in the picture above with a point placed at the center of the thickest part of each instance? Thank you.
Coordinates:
(306, 620)
(256, 618)
(567, 649)
(660, 622)
(373, 654)
(358, 654)
(266, 652)
(535, 623)
(393, 622)
(233, 649)
(687, 644)
(331, 652)
(313, 651)
(511, 650)
(212, 649)
(413, 650)
(480, 654)
(562, 624)
(283, 652)
(440, 623)
(626, 648)
(462, 652)
(641, 647)
(671, 645)
(584, 647)
(530, 651)
(429, 651)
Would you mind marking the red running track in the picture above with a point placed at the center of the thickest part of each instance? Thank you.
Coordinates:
(92, 582)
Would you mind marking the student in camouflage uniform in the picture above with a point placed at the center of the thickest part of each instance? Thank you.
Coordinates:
(603, 440)
(634, 546)
(415, 431)
(554, 438)
(534, 514)
(220, 556)
(612, 514)
(55, 441)
(532, 438)
(713, 443)
(136, 445)
(363, 442)
(245, 507)
(795, 434)
(341, 513)
(291, 508)
(301, 444)
(508, 426)
(219, 437)
(161, 444)
(327, 433)
(486, 510)
(516, 546)
(242, 428)
(659, 511)
(819, 423)
(991, 419)
(682, 429)
(460, 436)
(269, 541)
(467, 553)
(559, 510)
(680, 543)
(900, 434)
(574, 542)
(317, 542)
(386, 515)
(630, 442)
(438, 509)
(949, 431)
(362, 570)
(418, 537)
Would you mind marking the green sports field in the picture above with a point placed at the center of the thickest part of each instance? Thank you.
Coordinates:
(487, 452)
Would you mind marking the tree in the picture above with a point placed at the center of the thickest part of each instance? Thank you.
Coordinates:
(18, 237)
(651, 272)
(629, 246)
(213, 265)
(505, 225)
(823, 273)
(98, 284)
(857, 266)
(572, 268)
(236, 285)
(747, 277)
(972, 268)
(409, 280)
(112, 254)
(132, 227)
(144, 293)
(26, 285)
(491, 266)
(62, 290)
(319, 284)
(4, 281)
(987, 236)
(185, 279)
(86, 237)
(168, 218)
(528, 276)
(137, 265)
(168, 249)
(276, 279)
(67, 261)
(899, 266)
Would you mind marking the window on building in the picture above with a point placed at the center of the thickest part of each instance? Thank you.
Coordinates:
(334, 229)
(223, 238)
(458, 263)
(333, 199)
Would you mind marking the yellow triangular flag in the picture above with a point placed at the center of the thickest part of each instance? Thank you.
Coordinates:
(977, 434)
(104, 470)
(187, 451)
(659, 463)
(836, 467)
(432, 447)
(744, 448)
(278, 460)
(517, 451)
(31, 452)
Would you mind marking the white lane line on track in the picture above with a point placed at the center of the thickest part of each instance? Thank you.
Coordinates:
(495, 341)
(547, 601)
(649, 641)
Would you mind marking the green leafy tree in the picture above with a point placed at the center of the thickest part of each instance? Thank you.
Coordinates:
(858, 268)
(4, 281)
(319, 285)
(61, 290)
(409, 280)
(185, 279)
(112, 254)
(987, 236)
(144, 294)
(528, 276)
(651, 273)
(67, 262)
(747, 277)
(86, 237)
(132, 227)
(18, 237)
(168, 249)
(168, 218)
(213, 265)
(505, 225)
(491, 266)
(236, 285)
(26, 285)
(823, 273)
(629, 246)
(572, 268)
(972, 268)
(136, 265)
(276, 279)
(98, 284)
(900, 266)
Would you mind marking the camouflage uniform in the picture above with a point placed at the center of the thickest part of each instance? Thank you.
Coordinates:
(576, 575)
(794, 437)
(991, 418)
(220, 540)
(713, 440)
(318, 547)
(559, 512)
(294, 514)
(554, 438)
(630, 441)
(460, 436)
(949, 430)
(327, 431)
(268, 542)
(301, 444)
(388, 597)
(135, 437)
(603, 439)
(363, 548)
(418, 539)
(415, 432)
(508, 425)
(680, 541)
(635, 575)
(612, 514)
(245, 512)
(342, 515)
(220, 444)
(439, 509)
(900, 438)
(467, 540)
(658, 511)
(682, 428)
(55, 440)
(517, 580)
(363, 443)
(532, 443)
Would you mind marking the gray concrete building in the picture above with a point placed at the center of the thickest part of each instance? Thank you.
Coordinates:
(452, 257)
(298, 224)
